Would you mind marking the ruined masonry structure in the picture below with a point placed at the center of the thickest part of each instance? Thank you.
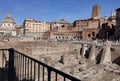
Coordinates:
(106, 55)
(92, 53)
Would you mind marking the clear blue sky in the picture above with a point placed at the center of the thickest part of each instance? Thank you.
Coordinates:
(53, 10)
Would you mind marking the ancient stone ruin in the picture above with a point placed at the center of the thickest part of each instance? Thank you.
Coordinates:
(88, 62)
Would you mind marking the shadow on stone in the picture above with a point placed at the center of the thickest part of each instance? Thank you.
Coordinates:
(98, 58)
(117, 60)
(87, 53)
(4, 74)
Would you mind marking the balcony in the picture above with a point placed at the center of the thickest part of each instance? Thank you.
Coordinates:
(16, 66)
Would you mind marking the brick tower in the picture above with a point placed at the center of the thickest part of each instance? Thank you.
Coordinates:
(96, 12)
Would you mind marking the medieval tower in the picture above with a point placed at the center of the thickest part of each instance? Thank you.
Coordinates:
(96, 12)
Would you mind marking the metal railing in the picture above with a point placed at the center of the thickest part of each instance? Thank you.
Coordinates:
(4, 56)
(21, 67)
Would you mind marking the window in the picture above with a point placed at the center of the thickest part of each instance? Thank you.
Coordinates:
(89, 35)
(97, 35)
(8, 24)
(93, 33)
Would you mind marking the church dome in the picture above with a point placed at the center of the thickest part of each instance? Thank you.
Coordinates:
(8, 19)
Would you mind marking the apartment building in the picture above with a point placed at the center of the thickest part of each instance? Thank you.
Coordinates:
(35, 28)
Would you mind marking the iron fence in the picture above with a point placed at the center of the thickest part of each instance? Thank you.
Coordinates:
(4, 57)
(17, 66)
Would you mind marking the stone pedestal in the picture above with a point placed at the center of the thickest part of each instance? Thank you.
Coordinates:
(65, 55)
(78, 53)
(106, 55)
(92, 54)
(84, 48)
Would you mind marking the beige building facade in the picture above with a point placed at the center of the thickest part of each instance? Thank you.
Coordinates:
(35, 28)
